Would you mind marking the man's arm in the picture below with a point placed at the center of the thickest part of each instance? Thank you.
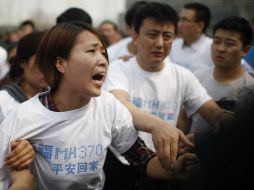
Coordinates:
(164, 136)
(145, 160)
(186, 167)
(211, 112)
(183, 121)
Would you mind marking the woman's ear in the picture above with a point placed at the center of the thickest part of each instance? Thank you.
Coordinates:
(60, 64)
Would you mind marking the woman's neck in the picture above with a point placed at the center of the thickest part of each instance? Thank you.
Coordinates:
(66, 100)
(28, 90)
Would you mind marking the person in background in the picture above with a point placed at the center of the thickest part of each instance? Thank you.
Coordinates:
(9, 38)
(26, 27)
(192, 48)
(74, 14)
(110, 31)
(232, 38)
(125, 48)
(28, 82)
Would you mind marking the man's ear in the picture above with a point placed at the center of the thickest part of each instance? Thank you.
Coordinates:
(60, 64)
(201, 26)
(135, 38)
(245, 50)
(128, 29)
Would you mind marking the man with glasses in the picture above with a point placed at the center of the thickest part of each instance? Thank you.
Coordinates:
(193, 48)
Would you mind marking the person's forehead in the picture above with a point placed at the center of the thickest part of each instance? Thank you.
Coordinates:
(150, 23)
(227, 34)
(189, 13)
(87, 37)
(107, 25)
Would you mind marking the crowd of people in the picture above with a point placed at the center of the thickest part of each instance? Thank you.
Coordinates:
(166, 108)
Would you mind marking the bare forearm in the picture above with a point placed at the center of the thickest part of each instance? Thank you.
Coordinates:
(183, 122)
(210, 111)
(155, 170)
(21, 186)
(142, 120)
(187, 166)
(22, 180)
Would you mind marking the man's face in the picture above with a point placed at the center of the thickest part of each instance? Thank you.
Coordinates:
(227, 49)
(24, 30)
(153, 43)
(110, 32)
(188, 27)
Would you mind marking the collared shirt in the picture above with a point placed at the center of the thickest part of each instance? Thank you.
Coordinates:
(195, 57)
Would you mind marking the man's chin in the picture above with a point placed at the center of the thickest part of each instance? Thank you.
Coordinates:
(158, 59)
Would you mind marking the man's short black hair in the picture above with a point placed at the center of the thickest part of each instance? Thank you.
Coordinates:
(203, 13)
(74, 14)
(27, 22)
(131, 12)
(160, 12)
(236, 24)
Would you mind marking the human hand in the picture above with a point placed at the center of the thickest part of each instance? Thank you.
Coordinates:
(182, 148)
(187, 166)
(166, 139)
(21, 156)
(22, 180)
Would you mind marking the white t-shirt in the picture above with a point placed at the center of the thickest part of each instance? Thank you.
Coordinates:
(119, 49)
(159, 93)
(7, 104)
(71, 145)
(196, 57)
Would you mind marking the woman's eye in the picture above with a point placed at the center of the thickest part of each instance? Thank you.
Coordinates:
(104, 54)
(91, 50)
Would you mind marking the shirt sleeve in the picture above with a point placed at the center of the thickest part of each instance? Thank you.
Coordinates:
(116, 77)
(195, 94)
(124, 133)
(139, 155)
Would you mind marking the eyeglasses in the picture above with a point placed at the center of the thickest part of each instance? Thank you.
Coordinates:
(186, 20)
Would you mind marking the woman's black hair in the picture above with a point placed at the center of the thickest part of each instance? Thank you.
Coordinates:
(27, 47)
